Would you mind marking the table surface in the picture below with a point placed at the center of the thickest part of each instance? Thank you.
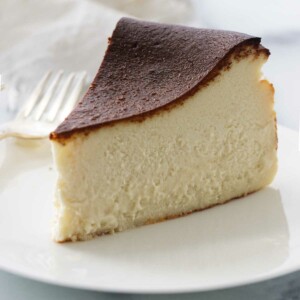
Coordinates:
(17, 288)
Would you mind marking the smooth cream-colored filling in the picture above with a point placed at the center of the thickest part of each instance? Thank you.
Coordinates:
(220, 144)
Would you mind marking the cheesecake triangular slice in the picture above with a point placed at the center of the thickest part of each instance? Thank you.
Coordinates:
(177, 120)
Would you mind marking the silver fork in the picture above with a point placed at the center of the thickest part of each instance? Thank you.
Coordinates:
(46, 107)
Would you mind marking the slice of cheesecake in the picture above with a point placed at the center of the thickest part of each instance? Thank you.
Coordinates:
(177, 120)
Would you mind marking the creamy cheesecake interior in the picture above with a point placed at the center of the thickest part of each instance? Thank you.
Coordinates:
(217, 145)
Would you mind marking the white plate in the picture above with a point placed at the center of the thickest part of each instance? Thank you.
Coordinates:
(244, 241)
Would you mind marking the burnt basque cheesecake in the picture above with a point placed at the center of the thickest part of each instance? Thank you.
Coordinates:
(177, 120)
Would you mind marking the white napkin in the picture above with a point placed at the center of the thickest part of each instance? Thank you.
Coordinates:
(51, 35)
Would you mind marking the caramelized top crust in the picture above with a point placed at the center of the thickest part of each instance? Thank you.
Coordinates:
(149, 66)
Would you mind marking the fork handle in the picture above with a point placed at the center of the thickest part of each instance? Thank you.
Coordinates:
(18, 130)
(5, 131)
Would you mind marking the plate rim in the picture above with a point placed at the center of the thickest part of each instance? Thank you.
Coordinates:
(181, 290)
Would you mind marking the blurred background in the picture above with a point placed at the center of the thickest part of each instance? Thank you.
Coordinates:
(37, 36)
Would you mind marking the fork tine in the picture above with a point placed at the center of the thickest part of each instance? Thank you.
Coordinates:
(47, 97)
(27, 107)
(71, 101)
(58, 101)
